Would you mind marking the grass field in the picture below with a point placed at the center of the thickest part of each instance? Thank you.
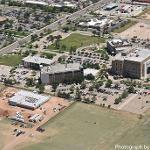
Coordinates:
(16, 33)
(89, 127)
(10, 60)
(78, 40)
(125, 27)
(4, 132)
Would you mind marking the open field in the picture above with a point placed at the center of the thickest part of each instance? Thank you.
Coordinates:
(145, 14)
(89, 127)
(4, 132)
(10, 60)
(77, 40)
(138, 30)
(125, 27)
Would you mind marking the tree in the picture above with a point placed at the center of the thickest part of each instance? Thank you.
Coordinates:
(41, 88)
(34, 37)
(86, 100)
(57, 44)
(91, 88)
(63, 47)
(93, 99)
(83, 85)
(65, 29)
(108, 83)
(118, 100)
(89, 77)
(54, 86)
(29, 82)
(131, 89)
(63, 95)
(36, 46)
(72, 49)
(19, 28)
(124, 94)
(78, 94)
(94, 32)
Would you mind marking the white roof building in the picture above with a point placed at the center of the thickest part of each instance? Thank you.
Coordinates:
(38, 60)
(36, 2)
(90, 71)
(96, 22)
(28, 99)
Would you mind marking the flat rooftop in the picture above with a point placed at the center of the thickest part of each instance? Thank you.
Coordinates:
(2, 18)
(59, 68)
(111, 5)
(28, 99)
(120, 42)
(37, 60)
(36, 2)
(139, 55)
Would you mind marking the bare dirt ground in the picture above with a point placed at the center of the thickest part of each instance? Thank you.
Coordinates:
(138, 104)
(46, 110)
(145, 16)
(140, 30)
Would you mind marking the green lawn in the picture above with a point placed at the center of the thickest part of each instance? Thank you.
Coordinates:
(125, 27)
(90, 127)
(17, 33)
(77, 40)
(10, 60)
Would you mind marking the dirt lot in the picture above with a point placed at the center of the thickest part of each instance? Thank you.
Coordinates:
(138, 104)
(138, 30)
(47, 110)
(145, 15)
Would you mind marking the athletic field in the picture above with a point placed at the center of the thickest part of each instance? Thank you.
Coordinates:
(89, 127)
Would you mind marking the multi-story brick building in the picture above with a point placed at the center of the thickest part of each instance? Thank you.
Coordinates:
(135, 64)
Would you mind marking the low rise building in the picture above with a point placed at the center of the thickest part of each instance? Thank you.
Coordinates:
(118, 45)
(135, 64)
(29, 100)
(33, 2)
(103, 24)
(35, 62)
(62, 73)
(111, 6)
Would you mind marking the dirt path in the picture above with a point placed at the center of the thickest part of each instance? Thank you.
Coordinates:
(127, 101)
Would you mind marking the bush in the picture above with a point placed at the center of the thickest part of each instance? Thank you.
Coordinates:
(118, 100)
(108, 83)
(124, 94)
(89, 77)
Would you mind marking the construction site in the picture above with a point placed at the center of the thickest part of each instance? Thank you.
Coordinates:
(13, 105)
